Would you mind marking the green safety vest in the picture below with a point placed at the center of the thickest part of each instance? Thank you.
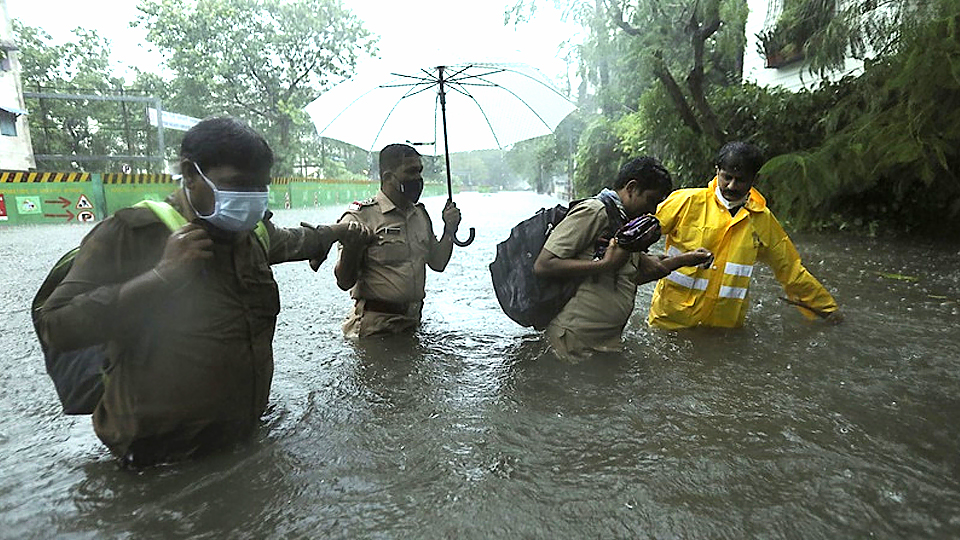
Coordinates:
(174, 220)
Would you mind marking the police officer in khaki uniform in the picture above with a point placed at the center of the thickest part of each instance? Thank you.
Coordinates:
(386, 276)
(187, 317)
(593, 320)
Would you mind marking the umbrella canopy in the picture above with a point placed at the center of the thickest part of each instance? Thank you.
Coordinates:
(488, 105)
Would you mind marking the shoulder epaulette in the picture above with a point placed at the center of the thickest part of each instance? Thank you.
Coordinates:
(357, 205)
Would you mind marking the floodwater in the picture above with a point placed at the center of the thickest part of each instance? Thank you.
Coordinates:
(470, 429)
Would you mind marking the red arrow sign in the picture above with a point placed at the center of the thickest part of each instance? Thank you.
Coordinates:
(68, 215)
(62, 201)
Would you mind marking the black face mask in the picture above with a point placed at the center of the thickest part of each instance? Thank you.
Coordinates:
(412, 189)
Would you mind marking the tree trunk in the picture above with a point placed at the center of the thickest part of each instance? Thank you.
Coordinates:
(603, 67)
(699, 35)
(676, 94)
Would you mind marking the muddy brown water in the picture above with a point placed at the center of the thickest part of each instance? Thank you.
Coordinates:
(471, 429)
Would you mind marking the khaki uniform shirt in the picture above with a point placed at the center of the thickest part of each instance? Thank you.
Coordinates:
(190, 366)
(393, 268)
(594, 318)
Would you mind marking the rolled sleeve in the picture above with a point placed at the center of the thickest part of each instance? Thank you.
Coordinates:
(578, 230)
(298, 243)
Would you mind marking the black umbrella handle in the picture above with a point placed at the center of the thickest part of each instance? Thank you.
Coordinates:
(468, 241)
(446, 153)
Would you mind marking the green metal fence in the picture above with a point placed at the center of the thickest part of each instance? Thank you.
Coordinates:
(33, 198)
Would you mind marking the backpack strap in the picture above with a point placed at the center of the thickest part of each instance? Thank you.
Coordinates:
(173, 219)
(615, 220)
(165, 213)
(262, 236)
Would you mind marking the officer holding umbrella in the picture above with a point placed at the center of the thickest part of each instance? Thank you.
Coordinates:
(386, 275)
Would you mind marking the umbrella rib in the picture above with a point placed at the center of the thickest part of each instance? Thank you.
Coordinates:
(520, 99)
(389, 114)
(457, 79)
(345, 109)
(412, 87)
(456, 88)
(428, 78)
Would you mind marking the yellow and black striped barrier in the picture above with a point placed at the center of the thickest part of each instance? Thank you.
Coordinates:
(22, 177)
(138, 179)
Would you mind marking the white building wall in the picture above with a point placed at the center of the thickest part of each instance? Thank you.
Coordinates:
(16, 151)
(794, 77)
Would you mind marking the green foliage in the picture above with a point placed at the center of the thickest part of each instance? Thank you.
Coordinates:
(864, 29)
(616, 64)
(80, 127)
(776, 120)
(260, 60)
(599, 157)
(798, 22)
(874, 153)
(891, 148)
(656, 130)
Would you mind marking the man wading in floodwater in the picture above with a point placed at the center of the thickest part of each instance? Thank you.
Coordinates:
(730, 218)
(386, 278)
(593, 320)
(188, 317)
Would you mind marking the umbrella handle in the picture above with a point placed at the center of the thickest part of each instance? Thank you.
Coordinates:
(468, 241)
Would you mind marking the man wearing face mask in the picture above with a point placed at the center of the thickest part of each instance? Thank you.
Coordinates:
(731, 219)
(188, 316)
(386, 277)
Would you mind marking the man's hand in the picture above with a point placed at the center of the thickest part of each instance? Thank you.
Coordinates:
(451, 218)
(186, 248)
(700, 257)
(352, 233)
(615, 256)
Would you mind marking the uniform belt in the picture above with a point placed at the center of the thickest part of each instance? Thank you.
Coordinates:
(381, 306)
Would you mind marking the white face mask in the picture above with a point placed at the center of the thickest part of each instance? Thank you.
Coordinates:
(730, 204)
(234, 211)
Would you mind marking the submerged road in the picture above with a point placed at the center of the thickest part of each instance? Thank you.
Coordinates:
(784, 429)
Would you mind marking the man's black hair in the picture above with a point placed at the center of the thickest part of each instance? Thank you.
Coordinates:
(648, 172)
(224, 140)
(393, 155)
(740, 157)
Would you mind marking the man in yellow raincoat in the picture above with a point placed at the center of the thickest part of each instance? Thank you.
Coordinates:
(731, 219)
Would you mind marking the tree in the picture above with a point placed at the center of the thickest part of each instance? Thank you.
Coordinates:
(79, 127)
(889, 154)
(632, 44)
(635, 47)
(829, 31)
(261, 60)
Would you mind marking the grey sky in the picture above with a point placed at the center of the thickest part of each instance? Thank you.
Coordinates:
(451, 28)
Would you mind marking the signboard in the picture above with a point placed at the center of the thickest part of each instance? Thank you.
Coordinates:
(29, 205)
(180, 122)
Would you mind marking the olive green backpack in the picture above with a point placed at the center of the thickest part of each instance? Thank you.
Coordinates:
(78, 374)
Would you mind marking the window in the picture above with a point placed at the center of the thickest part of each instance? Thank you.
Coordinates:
(8, 123)
(6, 61)
(774, 9)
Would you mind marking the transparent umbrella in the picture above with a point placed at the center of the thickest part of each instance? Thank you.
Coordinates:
(491, 105)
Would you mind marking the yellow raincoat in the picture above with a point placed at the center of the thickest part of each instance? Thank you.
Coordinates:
(691, 296)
